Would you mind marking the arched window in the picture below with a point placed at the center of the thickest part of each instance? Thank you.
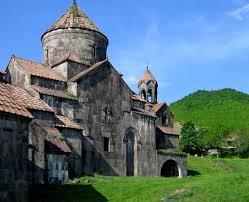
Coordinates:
(143, 94)
(150, 96)
(129, 140)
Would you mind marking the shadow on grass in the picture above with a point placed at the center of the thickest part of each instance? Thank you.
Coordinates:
(193, 173)
(65, 193)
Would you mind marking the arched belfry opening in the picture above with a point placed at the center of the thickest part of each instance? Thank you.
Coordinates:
(143, 94)
(130, 141)
(170, 169)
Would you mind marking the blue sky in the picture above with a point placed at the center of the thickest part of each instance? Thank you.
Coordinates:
(189, 45)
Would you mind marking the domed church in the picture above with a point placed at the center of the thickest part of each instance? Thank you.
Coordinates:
(74, 115)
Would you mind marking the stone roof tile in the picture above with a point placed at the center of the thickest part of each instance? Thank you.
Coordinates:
(138, 98)
(10, 104)
(147, 76)
(54, 138)
(168, 130)
(65, 122)
(52, 92)
(29, 101)
(73, 18)
(157, 107)
(37, 69)
(144, 112)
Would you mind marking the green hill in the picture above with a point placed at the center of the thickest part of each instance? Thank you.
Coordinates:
(221, 110)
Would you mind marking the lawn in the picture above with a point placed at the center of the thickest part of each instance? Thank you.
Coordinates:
(212, 180)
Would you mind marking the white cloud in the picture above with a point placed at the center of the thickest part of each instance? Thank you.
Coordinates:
(132, 80)
(240, 13)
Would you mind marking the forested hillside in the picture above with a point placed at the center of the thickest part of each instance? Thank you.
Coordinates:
(221, 110)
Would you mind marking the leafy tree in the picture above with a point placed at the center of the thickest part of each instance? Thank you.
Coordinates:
(241, 144)
(189, 138)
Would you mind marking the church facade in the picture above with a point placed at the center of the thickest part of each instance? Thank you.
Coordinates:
(74, 115)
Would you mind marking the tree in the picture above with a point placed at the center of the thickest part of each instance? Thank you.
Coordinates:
(242, 144)
(189, 139)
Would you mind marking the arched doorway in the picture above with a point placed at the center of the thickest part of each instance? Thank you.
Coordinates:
(130, 144)
(170, 169)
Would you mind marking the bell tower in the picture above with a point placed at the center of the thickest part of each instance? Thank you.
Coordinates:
(147, 86)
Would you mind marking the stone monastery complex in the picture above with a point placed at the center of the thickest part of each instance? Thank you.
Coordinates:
(74, 115)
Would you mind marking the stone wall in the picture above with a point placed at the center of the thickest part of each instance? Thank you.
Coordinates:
(43, 117)
(57, 85)
(165, 117)
(104, 98)
(13, 158)
(74, 140)
(168, 141)
(37, 154)
(145, 126)
(69, 69)
(62, 106)
(16, 76)
(180, 159)
(57, 166)
(106, 110)
(89, 46)
(138, 104)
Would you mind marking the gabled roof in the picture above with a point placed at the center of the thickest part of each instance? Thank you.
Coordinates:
(68, 57)
(157, 107)
(138, 98)
(86, 71)
(168, 130)
(56, 143)
(9, 103)
(147, 76)
(52, 92)
(143, 112)
(73, 18)
(37, 69)
(64, 122)
(29, 101)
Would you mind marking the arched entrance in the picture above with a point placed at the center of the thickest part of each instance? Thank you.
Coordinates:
(170, 169)
(130, 141)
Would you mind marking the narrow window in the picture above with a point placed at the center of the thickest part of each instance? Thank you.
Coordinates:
(106, 144)
(47, 53)
(95, 51)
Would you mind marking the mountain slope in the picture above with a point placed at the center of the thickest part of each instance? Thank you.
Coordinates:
(222, 110)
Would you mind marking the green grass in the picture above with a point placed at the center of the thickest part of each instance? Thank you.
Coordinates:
(213, 180)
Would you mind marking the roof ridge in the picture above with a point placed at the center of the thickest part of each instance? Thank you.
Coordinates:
(31, 61)
(79, 75)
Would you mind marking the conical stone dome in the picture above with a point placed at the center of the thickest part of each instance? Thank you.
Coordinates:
(74, 18)
(147, 76)
(74, 33)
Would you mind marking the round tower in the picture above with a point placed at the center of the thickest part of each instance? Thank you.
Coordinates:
(147, 86)
(74, 33)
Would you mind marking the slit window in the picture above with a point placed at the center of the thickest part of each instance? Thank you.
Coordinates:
(106, 144)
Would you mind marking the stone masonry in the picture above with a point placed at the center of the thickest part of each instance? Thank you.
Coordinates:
(74, 115)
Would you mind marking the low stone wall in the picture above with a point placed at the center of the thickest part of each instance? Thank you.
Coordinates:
(180, 159)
